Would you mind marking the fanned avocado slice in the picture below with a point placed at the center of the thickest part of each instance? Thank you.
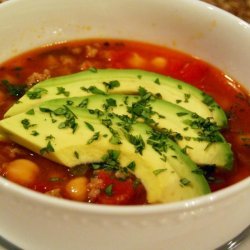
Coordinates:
(76, 135)
(122, 81)
(198, 137)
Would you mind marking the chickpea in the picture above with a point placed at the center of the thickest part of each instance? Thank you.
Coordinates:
(76, 189)
(136, 60)
(54, 192)
(159, 62)
(21, 171)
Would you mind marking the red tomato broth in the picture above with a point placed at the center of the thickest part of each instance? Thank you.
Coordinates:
(71, 57)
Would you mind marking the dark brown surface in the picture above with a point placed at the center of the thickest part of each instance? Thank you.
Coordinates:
(240, 8)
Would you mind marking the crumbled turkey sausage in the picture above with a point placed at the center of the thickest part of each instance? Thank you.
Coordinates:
(37, 77)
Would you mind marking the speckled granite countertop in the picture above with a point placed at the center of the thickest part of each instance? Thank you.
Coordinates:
(240, 8)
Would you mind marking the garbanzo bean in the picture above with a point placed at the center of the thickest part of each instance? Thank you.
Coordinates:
(136, 60)
(159, 62)
(21, 171)
(76, 189)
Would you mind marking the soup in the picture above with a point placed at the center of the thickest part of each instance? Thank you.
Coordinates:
(82, 183)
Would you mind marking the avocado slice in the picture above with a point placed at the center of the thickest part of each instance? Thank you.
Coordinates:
(122, 81)
(75, 135)
(198, 137)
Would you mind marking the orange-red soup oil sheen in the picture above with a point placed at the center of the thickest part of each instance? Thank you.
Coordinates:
(62, 59)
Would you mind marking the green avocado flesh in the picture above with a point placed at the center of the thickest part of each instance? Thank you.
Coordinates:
(120, 81)
(162, 127)
(75, 135)
(198, 137)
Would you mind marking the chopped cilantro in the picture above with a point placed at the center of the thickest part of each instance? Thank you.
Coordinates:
(30, 112)
(111, 85)
(96, 112)
(181, 113)
(158, 140)
(62, 91)
(207, 99)
(185, 182)
(69, 102)
(94, 90)
(131, 166)
(115, 139)
(109, 190)
(110, 102)
(34, 133)
(79, 170)
(186, 97)
(184, 150)
(158, 171)
(164, 157)
(89, 126)
(83, 103)
(14, 90)
(109, 161)
(76, 154)
(93, 69)
(198, 171)
(49, 148)
(95, 137)
(106, 122)
(157, 81)
(137, 141)
(55, 179)
(26, 124)
(36, 93)
(70, 117)
(50, 137)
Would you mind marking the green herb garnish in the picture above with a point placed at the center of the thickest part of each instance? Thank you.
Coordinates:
(62, 91)
(89, 126)
(95, 137)
(34, 133)
(30, 112)
(111, 85)
(36, 93)
(76, 154)
(55, 179)
(131, 166)
(109, 190)
(157, 81)
(185, 182)
(26, 124)
(159, 171)
(49, 148)
(137, 141)
(14, 90)
(92, 69)
(94, 90)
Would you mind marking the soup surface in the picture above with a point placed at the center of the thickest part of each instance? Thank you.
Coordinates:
(106, 187)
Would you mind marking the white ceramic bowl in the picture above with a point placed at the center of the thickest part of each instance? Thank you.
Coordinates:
(34, 221)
